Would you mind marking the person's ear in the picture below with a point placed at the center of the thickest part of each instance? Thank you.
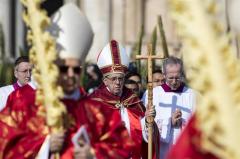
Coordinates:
(15, 73)
(105, 81)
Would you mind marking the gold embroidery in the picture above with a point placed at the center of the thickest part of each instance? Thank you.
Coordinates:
(118, 105)
(45, 130)
(37, 124)
(14, 115)
(41, 111)
(99, 115)
(28, 154)
(127, 101)
(105, 136)
(20, 116)
(117, 67)
(7, 119)
(104, 101)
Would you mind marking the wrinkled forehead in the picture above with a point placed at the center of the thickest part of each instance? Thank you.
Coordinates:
(173, 68)
(24, 65)
(117, 75)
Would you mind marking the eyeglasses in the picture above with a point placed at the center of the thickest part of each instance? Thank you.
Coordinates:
(64, 69)
(25, 71)
(174, 78)
(115, 79)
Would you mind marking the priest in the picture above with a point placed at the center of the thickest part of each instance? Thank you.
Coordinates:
(174, 103)
(91, 131)
(113, 62)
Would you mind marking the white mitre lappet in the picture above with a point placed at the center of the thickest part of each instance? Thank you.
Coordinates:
(113, 59)
(72, 31)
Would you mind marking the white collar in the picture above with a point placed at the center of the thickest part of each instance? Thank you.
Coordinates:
(75, 95)
(19, 84)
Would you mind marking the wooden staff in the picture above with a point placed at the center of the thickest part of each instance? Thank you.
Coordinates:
(150, 119)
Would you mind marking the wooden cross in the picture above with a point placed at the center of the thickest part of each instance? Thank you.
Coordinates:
(150, 119)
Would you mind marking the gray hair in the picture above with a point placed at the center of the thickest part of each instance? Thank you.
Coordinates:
(171, 60)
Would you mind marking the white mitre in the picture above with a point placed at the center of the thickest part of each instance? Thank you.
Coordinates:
(72, 31)
(113, 59)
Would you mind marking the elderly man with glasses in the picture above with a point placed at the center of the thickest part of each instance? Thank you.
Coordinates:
(113, 62)
(174, 103)
(22, 72)
(90, 130)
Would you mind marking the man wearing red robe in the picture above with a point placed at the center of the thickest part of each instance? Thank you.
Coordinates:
(22, 72)
(113, 62)
(24, 133)
(108, 137)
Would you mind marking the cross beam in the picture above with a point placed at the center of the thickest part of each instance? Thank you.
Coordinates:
(149, 57)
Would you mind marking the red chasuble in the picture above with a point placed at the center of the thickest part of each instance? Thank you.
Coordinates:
(189, 144)
(135, 110)
(23, 130)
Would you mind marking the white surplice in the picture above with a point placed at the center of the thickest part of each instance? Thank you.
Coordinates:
(165, 104)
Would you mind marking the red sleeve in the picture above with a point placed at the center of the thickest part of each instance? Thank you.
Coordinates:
(108, 136)
(21, 130)
(20, 144)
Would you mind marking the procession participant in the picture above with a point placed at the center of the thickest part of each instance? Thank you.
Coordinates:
(113, 63)
(174, 103)
(24, 123)
(22, 72)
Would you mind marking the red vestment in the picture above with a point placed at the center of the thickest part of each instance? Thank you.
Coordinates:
(188, 145)
(23, 129)
(135, 110)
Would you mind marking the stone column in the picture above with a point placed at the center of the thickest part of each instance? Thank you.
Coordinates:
(99, 14)
(20, 42)
(5, 15)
